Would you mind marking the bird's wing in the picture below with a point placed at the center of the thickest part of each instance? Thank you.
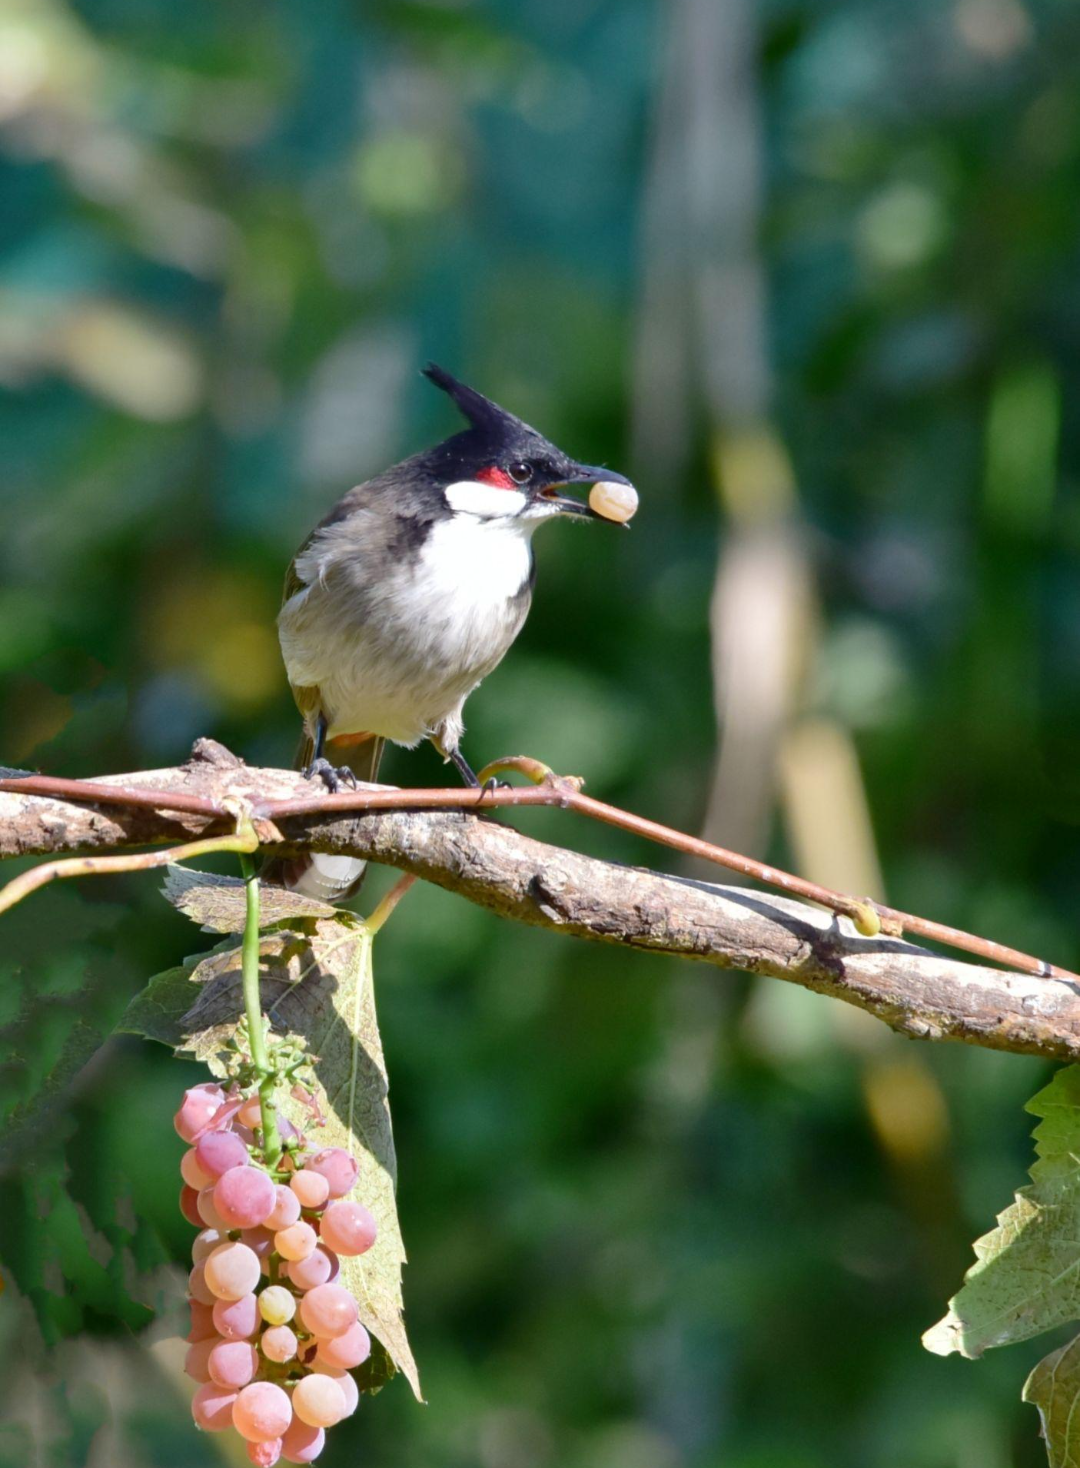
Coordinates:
(293, 583)
(308, 700)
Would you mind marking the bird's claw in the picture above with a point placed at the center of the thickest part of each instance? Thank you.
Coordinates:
(493, 783)
(332, 776)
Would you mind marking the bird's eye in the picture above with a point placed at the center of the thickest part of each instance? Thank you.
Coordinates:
(519, 471)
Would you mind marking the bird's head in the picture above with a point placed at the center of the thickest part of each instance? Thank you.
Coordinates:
(500, 468)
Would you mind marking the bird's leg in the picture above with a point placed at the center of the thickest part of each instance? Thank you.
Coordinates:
(471, 778)
(461, 764)
(333, 777)
(463, 768)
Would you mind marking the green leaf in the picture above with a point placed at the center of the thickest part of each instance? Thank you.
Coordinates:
(218, 903)
(160, 1010)
(1026, 1278)
(157, 1010)
(377, 1370)
(1054, 1388)
(316, 984)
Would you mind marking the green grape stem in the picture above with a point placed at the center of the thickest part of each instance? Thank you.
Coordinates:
(249, 970)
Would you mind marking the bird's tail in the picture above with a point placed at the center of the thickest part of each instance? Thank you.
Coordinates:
(317, 873)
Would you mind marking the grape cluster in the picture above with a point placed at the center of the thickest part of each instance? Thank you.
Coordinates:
(274, 1335)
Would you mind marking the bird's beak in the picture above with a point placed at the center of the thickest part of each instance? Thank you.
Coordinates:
(580, 474)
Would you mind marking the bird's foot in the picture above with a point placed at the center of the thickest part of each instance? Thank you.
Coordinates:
(332, 776)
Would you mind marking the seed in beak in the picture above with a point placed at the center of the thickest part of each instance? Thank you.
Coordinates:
(613, 501)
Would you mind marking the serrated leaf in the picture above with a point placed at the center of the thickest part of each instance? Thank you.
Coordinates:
(157, 1009)
(316, 985)
(1026, 1278)
(1054, 1388)
(218, 903)
(377, 1370)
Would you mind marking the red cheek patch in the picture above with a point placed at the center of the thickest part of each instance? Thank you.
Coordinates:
(496, 477)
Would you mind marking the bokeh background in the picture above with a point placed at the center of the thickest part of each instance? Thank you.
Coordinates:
(809, 271)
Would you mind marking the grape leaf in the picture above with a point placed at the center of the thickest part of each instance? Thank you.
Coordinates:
(159, 1007)
(1054, 1388)
(1026, 1275)
(373, 1374)
(316, 983)
(219, 905)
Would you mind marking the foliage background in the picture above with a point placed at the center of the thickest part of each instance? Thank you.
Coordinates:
(657, 1218)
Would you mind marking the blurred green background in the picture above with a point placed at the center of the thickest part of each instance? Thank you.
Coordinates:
(809, 271)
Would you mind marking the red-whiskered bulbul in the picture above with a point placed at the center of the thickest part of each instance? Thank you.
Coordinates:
(409, 592)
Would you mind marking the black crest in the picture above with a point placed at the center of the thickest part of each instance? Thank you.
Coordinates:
(493, 436)
(491, 421)
(480, 411)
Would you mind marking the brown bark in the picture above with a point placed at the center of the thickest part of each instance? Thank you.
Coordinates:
(486, 861)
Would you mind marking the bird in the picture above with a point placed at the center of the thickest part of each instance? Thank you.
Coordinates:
(408, 593)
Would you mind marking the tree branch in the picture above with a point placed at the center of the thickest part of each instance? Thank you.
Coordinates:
(916, 992)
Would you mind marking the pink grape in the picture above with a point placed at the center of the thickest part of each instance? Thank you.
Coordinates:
(189, 1206)
(318, 1401)
(347, 1350)
(198, 1106)
(231, 1271)
(350, 1391)
(328, 1310)
(244, 1197)
(344, 1381)
(208, 1213)
(195, 1176)
(259, 1240)
(212, 1407)
(198, 1289)
(250, 1114)
(261, 1412)
(197, 1359)
(212, 1090)
(237, 1320)
(202, 1321)
(206, 1242)
(338, 1167)
(296, 1242)
(232, 1363)
(348, 1229)
(316, 1269)
(264, 1455)
(286, 1209)
(310, 1187)
(216, 1152)
(301, 1443)
(278, 1343)
(277, 1305)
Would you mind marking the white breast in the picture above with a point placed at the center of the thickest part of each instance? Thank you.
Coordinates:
(432, 629)
(474, 565)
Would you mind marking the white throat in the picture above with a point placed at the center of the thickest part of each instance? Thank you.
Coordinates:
(488, 501)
